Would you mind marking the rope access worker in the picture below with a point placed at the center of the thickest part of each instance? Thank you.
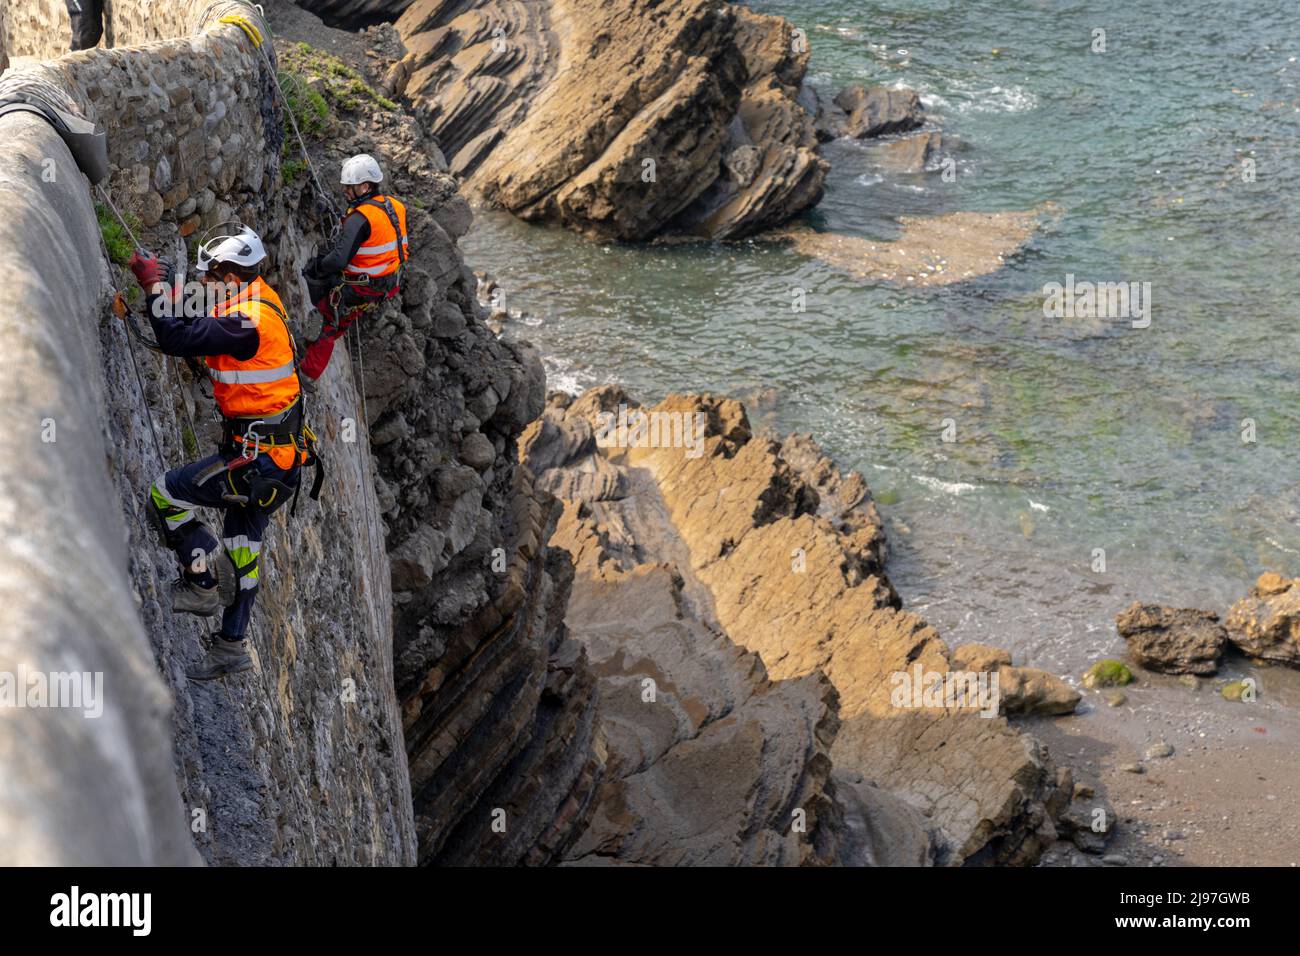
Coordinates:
(363, 266)
(247, 350)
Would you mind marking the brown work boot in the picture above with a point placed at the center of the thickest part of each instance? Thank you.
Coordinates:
(224, 657)
(189, 598)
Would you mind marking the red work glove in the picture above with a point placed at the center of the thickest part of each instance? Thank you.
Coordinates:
(157, 277)
(148, 269)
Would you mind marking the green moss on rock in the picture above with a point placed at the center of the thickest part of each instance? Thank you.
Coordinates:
(1239, 690)
(1107, 673)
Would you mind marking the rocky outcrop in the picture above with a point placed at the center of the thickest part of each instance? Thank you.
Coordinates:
(910, 154)
(497, 704)
(624, 120)
(1266, 623)
(782, 557)
(1023, 691)
(862, 112)
(709, 762)
(1172, 640)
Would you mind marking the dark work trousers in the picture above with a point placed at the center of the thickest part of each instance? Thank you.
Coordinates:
(87, 18)
(177, 493)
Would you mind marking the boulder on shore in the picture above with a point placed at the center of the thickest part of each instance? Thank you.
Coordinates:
(1266, 623)
(864, 112)
(1023, 691)
(1172, 640)
(1027, 691)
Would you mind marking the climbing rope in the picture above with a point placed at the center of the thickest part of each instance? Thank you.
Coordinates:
(336, 218)
(371, 520)
(326, 200)
(130, 350)
(128, 320)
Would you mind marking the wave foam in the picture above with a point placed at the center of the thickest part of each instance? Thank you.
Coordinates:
(956, 488)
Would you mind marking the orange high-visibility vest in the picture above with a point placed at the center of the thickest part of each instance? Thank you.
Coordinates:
(267, 383)
(381, 255)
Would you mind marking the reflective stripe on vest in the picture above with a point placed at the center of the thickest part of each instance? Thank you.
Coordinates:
(268, 382)
(254, 377)
(375, 250)
(382, 256)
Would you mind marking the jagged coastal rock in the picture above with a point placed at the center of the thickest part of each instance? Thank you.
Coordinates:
(625, 120)
(862, 112)
(1173, 640)
(1266, 623)
(781, 556)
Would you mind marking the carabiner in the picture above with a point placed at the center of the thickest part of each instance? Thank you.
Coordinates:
(251, 432)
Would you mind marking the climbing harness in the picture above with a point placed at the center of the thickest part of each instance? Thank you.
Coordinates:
(287, 428)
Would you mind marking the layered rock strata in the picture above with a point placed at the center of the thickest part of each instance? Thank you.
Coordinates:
(628, 120)
(767, 547)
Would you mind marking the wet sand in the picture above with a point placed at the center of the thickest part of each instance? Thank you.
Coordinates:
(1229, 794)
(930, 251)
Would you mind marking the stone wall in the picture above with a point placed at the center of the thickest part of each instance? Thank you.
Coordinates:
(303, 762)
(74, 789)
(41, 28)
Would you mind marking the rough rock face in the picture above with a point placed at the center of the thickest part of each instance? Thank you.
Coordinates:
(1266, 623)
(708, 760)
(1024, 691)
(1172, 640)
(497, 704)
(862, 112)
(783, 557)
(621, 120)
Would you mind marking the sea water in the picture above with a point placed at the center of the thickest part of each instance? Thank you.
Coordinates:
(1092, 463)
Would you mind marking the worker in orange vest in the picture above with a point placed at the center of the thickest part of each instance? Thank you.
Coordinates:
(248, 354)
(363, 266)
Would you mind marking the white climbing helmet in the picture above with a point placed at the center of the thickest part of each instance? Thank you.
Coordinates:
(242, 246)
(361, 168)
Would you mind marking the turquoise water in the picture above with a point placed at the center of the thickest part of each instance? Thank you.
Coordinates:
(1072, 434)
